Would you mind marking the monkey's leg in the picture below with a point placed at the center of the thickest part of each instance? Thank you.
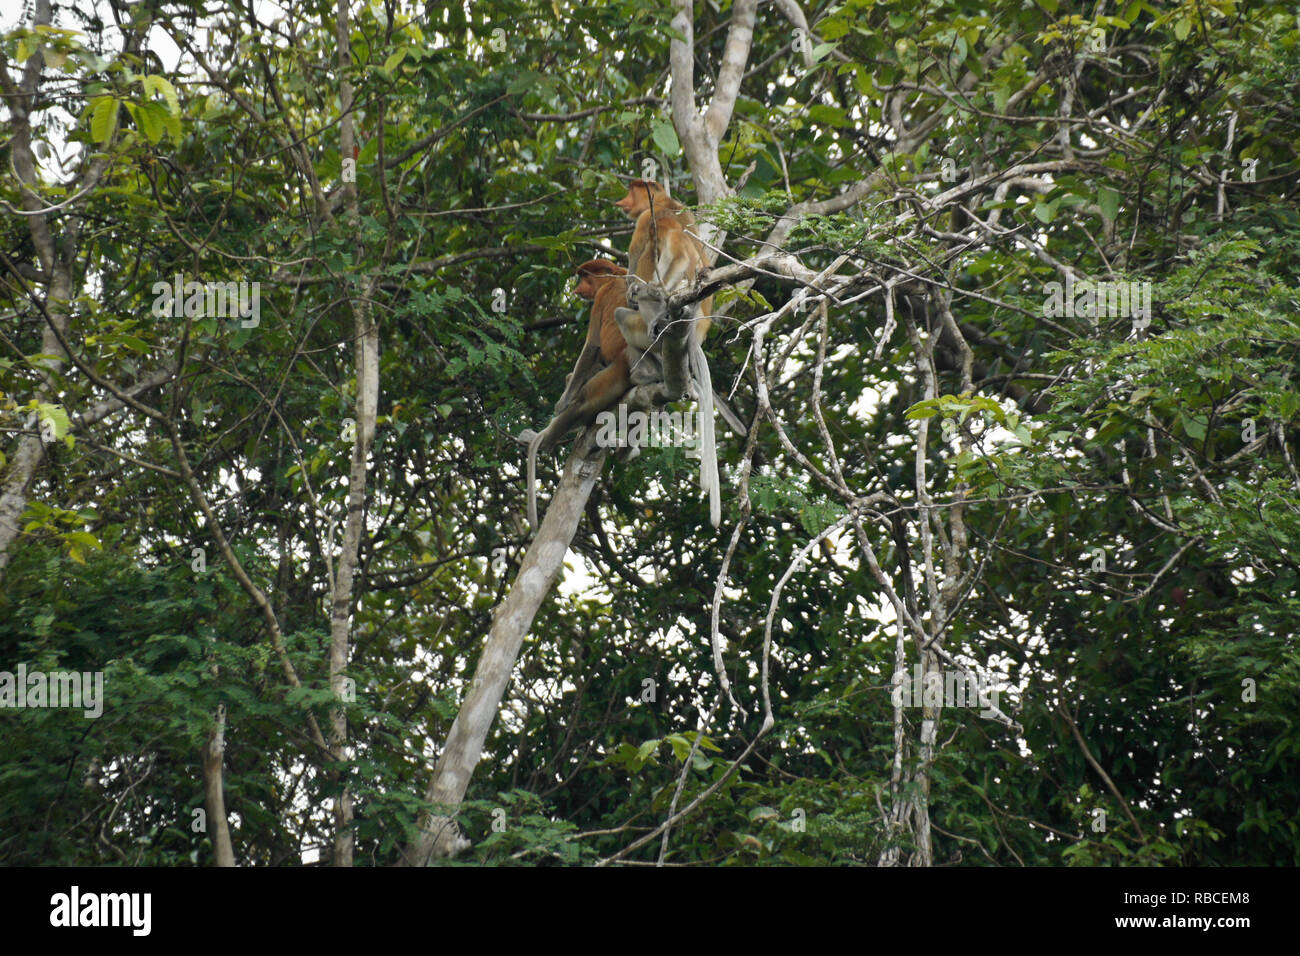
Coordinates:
(640, 322)
(608, 391)
(643, 367)
(599, 394)
(582, 369)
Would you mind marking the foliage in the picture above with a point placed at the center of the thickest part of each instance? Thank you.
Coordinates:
(1170, 662)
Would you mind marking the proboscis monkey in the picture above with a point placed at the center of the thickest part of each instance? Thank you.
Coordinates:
(602, 283)
(658, 215)
(666, 251)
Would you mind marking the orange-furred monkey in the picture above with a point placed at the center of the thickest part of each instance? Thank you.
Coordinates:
(666, 251)
(602, 283)
(668, 261)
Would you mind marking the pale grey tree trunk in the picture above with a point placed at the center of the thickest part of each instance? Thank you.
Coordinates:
(538, 572)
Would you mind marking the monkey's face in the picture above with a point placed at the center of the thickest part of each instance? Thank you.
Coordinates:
(629, 204)
(592, 274)
(638, 197)
(589, 283)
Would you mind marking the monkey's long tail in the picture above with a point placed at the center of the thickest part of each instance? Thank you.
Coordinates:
(710, 483)
(532, 479)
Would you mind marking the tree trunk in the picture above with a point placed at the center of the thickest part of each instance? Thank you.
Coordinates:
(538, 572)
(213, 755)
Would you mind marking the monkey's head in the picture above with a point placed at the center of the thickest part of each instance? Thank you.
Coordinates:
(594, 273)
(640, 194)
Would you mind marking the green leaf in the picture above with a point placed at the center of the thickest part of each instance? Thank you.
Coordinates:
(646, 750)
(94, 63)
(1108, 200)
(56, 415)
(160, 84)
(83, 538)
(152, 118)
(173, 125)
(665, 137)
(1001, 94)
(830, 115)
(524, 81)
(395, 60)
(927, 408)
(103, 118)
